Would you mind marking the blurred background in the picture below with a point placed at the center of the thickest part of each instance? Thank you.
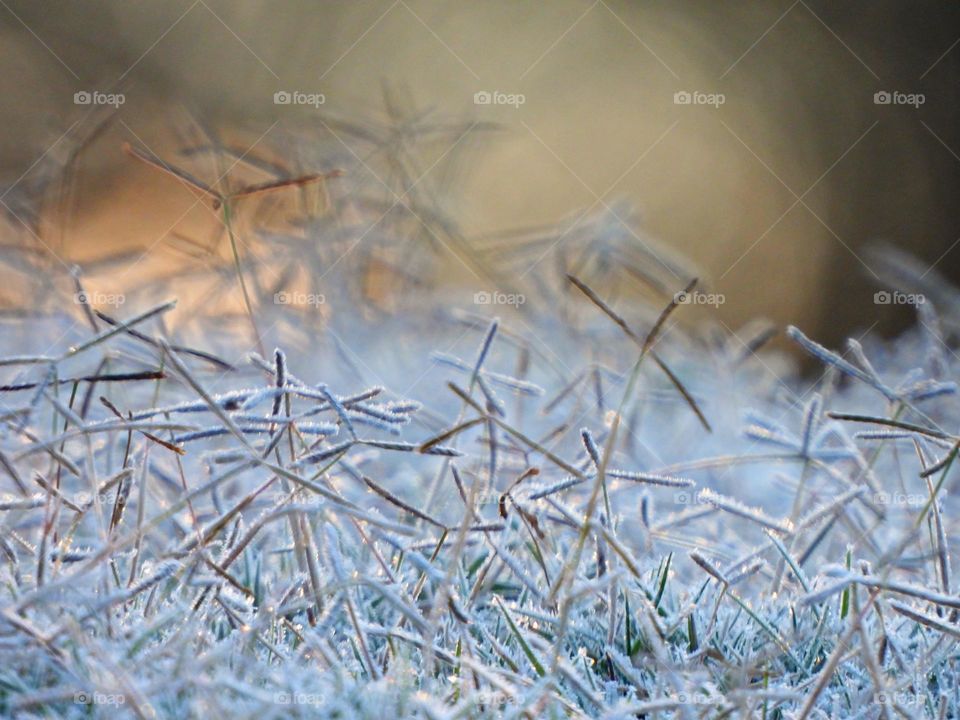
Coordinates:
(769, 143)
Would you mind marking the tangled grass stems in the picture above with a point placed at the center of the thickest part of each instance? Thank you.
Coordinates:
(547, 528)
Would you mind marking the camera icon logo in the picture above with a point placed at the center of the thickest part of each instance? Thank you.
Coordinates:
(82, 98)
(882, 97)
(482, 98)
(282, 97)
(882, 297)
(682, 97)
(82, 698)
(282, 298)
(482, 298)
(682, 298)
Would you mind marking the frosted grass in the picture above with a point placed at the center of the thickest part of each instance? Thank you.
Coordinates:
(605, 513)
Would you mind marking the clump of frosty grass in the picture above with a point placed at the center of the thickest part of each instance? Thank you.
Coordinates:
(563, 513)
